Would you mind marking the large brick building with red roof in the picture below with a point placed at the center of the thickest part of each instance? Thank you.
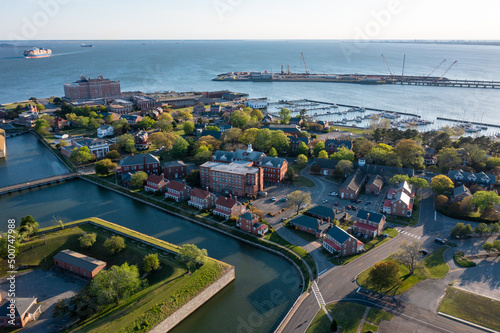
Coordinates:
(177, 191)
(201, 199)
(227, 207)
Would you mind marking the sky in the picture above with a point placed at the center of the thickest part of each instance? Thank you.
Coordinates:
(249, 19)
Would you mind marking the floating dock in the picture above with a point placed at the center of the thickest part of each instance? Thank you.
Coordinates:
(356, 79)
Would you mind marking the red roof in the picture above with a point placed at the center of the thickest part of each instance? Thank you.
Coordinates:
(365, 226)
(176, 186)
(155, 179)
(358, 243)
(332, 244)
(410, 206)
(387, 203)
(199, 193)
(226, 202)
(391, 191)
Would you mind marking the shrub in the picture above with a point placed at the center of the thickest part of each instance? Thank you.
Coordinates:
(333, 325)
(87, 239)
(115, 244)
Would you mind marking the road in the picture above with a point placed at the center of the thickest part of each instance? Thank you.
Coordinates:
(339, 284)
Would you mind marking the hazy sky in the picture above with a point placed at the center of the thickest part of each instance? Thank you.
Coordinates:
(249, 19)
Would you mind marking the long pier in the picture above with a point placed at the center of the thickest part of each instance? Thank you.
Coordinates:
(37, 183)
(450, 83)
(468, 122)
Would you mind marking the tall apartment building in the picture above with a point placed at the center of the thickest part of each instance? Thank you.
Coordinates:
(236, 178)
(91, 88)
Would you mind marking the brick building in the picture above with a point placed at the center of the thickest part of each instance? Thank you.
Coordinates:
(227, 207)
(352, 185)
(148, 163)
(236, 178)
(374, 185)
(311, 225)
(332, 145)
(177, 191)
(91, 88)
(274, 169)
(460, 177)
(25, 310)
(339, 241)
(155, 183)
(369, 224)
(250, 223)
(460, 193)
(79, 263)
(201, 199)
(174, 169)
(141, 140)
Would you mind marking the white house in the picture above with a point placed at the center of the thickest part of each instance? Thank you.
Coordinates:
(257, 103)
(105, 130)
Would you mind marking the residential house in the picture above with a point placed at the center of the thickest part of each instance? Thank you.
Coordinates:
(400, 205)
(268, 118)
(131, 119)
(296, 121)
(369, 224)
(352, 185)
(97, 147)
(460, 193)
(384, 171)
(60, 123)
(141, 139)
(430, 156)
(177, 191)
(323, 123)
(174, 169)
(311, 225)
(374, 185)
(79, 263)
(321, 212)
(199, 109)
(24, 311)
(460, 177)
(260, 103)
(295, 142)
(105, 130)
(215, 109)
(339, 241)
(201, 199)
(216, 134)
(225, 127)
(402, 187)
(227, 207)
(326, 167)
(148, 163)
(250, 223)
(155, 183)
(332, 145)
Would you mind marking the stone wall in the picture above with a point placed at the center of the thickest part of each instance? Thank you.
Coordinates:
(191, 306)
(3, 144)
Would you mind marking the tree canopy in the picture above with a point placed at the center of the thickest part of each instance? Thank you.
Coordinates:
(115, 284)
(138, 179)
(285, 115)
(299, 198)
(441, 184)
(115, 244)
(384, 274)
(192, 256)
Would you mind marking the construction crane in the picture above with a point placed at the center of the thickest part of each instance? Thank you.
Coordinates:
(387, 65)
(446, 71)
(435, 68)
(304, 61)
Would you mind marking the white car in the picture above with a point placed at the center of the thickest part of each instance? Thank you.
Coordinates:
(333, 194)
(273, 199)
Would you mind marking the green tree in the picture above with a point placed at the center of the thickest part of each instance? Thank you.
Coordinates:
(461, 231)
(475, 156)
(362, 147)
(280, 141)
(115, 284)
(120, 126)
(126, 142)
(115, 244)
(162, 139)
(212, 128)
(492, 162)
(202, 156)
(150, 262)
(164, 121)
(418, 183)
(441, 200)
(263, 139)
(113, 155)
(82, 121)
(87, 239)
(28, 226)
(323, 154)
(290, 175)
(495, 228)
(299, 199)
(105, 166)
(40, 107)
(188, 128)
(384, 274)
(489, 247)
(441, 184)
(192, 256)
(396, 179)
(302, 149)
(257, 114)
(448, 158)
(180, 148)
(80, 155)
(239, 118)
(285, 115)
(42, 126)
(249, 136)
(483, 199)
(146, 123)
(193, 178)
(411, 153)
(302, 160)
(343, 153)
(138, 179)
(232, 135)
(13, 243)
(409, 254)
(319, 146)
(344, 167)
(272, 152)
(378, 154)
(481, 229)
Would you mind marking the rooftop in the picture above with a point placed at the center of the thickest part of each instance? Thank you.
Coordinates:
(79, 260)
(374, 217)
(239, 167)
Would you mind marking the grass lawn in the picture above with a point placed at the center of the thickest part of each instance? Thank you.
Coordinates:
(474, 308)
(368, 246)
(369, 328)
(351, 130)
(410, 221)
(301, 180)
(320, 323)
(348, 317)
(462, 260)
(274, 237)
(12, 106)
(376, 315)
(432, 267)
(304, 235)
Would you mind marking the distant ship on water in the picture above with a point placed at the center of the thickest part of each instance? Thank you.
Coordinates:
(37, 53)
(87, 45)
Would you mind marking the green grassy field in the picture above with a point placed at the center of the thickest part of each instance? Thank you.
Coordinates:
(462, 260)
(348, 317)
(474, 308)
(367, 327)
(432, 267)
(301, 180)
(376, 316)
(346, 130)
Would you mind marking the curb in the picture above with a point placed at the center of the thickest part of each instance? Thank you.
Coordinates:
(467, 322)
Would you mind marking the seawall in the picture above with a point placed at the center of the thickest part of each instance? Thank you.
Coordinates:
(191, 306)
(3, 144)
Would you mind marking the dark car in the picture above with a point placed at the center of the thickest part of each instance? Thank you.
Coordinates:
(348, 207)
(358, 201)
(354, 208)
(368, 203)
(423, 252)
(440, 241)
(336, 203)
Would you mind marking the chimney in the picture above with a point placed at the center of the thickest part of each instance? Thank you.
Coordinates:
(206, 188)
(343, 209)
(230, 196)
(367, 218)
(319, 224)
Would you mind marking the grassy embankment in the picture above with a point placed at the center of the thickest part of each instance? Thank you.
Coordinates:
(432, 267)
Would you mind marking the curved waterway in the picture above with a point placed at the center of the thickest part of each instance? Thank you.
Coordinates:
(265, 287)
(28, 159)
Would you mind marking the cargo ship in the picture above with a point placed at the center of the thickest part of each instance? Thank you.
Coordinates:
(87, 45)
(37, 53)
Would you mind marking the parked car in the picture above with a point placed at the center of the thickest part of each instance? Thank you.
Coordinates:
(423, 252)
(336, 203)
(284, 199)
(325, 201)
(333, 194)
(273, 199)
(440, 241)
(354, 208)
(263, 194)
(358, 201)
(368, 203)
(385, 235)
(348, 207)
